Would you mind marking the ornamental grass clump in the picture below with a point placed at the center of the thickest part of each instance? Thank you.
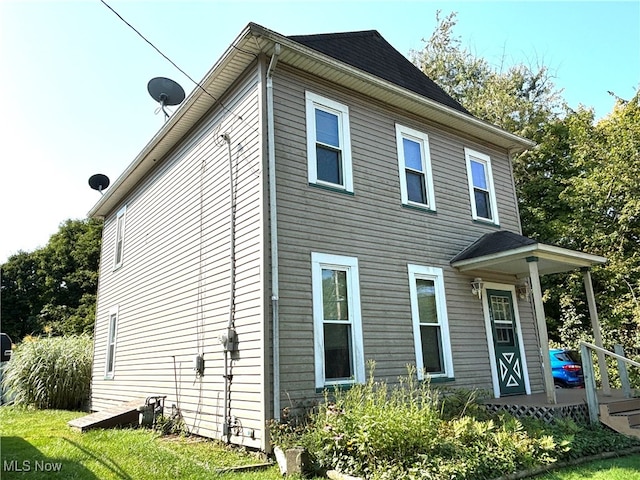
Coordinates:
(51, 372)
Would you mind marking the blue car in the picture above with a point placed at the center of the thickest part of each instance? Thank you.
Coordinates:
(566, 368)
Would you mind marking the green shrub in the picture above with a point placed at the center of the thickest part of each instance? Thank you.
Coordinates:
(408, 431)
(582, 440)
(411, 431)
(458, 402)
(371, 426)
(51, 372)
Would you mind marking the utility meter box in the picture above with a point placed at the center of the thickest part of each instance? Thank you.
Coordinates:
(229, 340)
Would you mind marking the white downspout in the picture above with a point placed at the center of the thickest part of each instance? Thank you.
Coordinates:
(273, 222)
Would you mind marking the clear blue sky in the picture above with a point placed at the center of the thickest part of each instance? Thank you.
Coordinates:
(73, 76)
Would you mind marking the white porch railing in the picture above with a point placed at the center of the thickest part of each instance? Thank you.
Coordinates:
(589, 376)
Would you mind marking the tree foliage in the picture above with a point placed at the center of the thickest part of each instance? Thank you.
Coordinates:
(578, 188)
(604, 197)
(53, 289)
(518, 98)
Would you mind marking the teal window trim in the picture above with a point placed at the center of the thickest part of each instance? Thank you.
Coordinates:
(488, 223)
(336, 387)
(439, 379)
(418, 208)
(331, 189)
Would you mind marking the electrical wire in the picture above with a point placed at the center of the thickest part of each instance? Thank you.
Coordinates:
(174, 64)
(155, 48)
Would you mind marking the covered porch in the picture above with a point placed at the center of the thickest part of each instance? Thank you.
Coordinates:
(519, 257)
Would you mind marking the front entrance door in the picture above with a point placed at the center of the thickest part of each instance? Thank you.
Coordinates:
(505, 342)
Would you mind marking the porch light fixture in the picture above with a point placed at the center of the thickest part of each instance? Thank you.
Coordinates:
(523, 291)
(476, 287)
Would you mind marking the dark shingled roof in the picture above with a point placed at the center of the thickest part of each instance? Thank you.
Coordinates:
(496, 242)
(368, 51)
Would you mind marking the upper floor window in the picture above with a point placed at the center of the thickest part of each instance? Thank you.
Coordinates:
(328, 143)
(416, 181)
(337, 323)
(430, 322)
(109, 367)
(119, 248)
(481, 189)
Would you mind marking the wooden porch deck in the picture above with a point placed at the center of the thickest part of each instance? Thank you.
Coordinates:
(564, 397)
(571, 403)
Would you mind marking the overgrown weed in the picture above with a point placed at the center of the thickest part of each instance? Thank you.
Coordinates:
(410, 430)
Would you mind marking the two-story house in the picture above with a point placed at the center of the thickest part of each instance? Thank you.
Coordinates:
(317, 204)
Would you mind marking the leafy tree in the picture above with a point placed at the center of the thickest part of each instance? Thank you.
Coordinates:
(578, 188)
(525, 101)
(21, 301)
(520, 98)
(605, 200)
(53, 289)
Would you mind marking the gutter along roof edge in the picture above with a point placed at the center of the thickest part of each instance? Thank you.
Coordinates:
(179, 123)
(114, 195)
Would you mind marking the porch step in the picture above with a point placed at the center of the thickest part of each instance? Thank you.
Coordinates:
(123, 414)
(623, 416)
(624, 405)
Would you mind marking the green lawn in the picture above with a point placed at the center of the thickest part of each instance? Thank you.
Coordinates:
(40, 445)
(624, 468)
(37, 443)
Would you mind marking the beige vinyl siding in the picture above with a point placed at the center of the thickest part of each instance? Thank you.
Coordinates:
(373, 226)
(173, 287)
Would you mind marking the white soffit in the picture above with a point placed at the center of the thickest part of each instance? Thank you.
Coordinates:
(551, 259)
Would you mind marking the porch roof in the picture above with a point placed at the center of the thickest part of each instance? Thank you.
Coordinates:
(507, 252)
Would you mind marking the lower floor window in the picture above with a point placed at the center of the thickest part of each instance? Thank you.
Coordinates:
(111, 343)
(338, 364)
(430, 323)
(339, 357)
(432, 359)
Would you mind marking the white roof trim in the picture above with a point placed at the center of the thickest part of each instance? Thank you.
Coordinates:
(253, 41)
(551, 259)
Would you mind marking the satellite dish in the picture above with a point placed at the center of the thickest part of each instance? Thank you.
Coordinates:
(166, 92)
(99, 182)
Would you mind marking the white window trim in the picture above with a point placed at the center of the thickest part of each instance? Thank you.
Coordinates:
(313, 101)
(109, 373)
(350, 264)
(470, 154)
(437, 275)
(422, 139)
(121, 214)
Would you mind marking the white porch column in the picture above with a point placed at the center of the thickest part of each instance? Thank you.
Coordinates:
(597, 334)
(541, 321)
